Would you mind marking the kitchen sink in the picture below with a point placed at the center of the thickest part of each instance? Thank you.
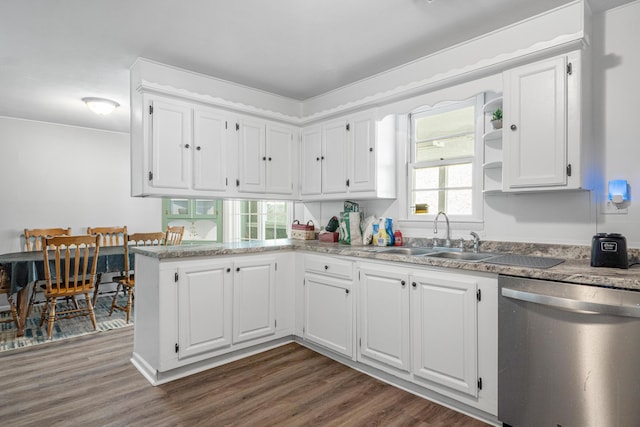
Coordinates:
(462, 256)
(406, 251)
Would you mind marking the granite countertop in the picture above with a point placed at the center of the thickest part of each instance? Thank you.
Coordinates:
(575, 269)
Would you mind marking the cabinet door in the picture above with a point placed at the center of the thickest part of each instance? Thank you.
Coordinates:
(209, 154)
(384, 318)
(253, 299)
(252, 156)
(329, 313)
(170, 144)
(361, 153)
(444, 322)
(280, 159)
(311, 162)
(535, 117)
(204, 308)
(334, 150)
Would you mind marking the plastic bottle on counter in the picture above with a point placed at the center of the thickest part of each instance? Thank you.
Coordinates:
(397, 235)
(383, 236)
(375, 227)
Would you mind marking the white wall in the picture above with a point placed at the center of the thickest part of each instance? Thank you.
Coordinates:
(616, 106)
(63, 176)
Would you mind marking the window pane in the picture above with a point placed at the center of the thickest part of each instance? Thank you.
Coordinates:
(428, 197)
(458, 202)
(444, 124)
(179, 206)
(205, 207)
(426, 178)
(444, 135)
(459, 175)
(443, 149)
(443, 176)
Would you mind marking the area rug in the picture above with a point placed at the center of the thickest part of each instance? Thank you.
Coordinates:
(63, 328)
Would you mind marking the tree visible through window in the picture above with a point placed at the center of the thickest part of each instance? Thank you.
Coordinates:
(443, 153)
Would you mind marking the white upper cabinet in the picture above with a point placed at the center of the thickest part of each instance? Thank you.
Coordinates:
(170, 144)
(543, 147)
(251, 156)
(311, 160)
(267, 158)
(209, 145)
(351, 156)
(184, 149)
(281, 159)
(334, 164)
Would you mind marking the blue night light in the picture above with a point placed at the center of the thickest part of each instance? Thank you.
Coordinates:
(618, 190)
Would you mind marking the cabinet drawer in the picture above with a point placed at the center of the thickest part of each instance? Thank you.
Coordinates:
(328, 265)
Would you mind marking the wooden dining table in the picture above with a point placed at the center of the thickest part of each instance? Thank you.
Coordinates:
(24, 269)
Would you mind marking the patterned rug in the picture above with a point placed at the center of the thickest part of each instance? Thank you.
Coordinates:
(63, 328)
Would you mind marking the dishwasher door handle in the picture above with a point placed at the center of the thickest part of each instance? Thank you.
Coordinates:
(569, 304)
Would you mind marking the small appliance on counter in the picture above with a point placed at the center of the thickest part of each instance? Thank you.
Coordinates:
(609, 250)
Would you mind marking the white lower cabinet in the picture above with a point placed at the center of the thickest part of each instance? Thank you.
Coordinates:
(445, 328)
(253, 299)
(204, 307)
(328, 303)
(191, 314)
(433, 327)
(383, 327)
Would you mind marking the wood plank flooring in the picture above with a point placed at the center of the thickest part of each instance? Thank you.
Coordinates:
(89, 381)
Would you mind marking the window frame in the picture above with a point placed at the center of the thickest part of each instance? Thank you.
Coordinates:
(476, 160)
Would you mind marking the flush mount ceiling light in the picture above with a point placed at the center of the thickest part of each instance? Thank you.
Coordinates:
(101, 106)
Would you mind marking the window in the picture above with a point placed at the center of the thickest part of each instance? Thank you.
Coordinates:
(443, 165)
(244, 220)
(259, 220)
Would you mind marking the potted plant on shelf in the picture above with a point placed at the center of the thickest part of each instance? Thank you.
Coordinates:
(496, 119)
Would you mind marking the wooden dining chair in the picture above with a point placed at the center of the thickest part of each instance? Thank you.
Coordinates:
(74, 263)
(127, 283)
(33, 241)
(174, 235)
(109, 236)
(5, 289)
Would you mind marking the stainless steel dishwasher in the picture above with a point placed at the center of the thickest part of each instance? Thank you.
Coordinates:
(569, 355)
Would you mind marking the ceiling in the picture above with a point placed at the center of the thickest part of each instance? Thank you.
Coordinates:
(53, 53)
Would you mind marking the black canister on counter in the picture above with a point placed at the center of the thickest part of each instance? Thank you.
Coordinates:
(609, 250)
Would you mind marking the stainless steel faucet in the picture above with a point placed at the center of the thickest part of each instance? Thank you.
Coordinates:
(447, 242)
(476, 241)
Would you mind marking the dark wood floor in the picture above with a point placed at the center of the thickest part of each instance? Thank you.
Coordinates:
(89, 381)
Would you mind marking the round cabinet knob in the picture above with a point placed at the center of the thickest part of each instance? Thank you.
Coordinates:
(228, 270)
(269, 158)
(322, 158)
(264, 158)
(237, 268)
(346, 291)
(514, 127)
(403, 283)
(414, 284)
(370, 149)
(186, 145)
(317, 159)
(198, 148)
(326, 267)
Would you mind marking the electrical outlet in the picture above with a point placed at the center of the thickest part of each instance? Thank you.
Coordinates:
(610, 208)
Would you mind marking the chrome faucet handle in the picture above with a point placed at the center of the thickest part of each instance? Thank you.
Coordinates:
(436, 242)
(476, 241)
(461, 244)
